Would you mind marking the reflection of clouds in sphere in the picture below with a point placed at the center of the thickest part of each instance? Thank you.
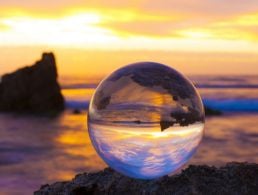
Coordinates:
(146, 120)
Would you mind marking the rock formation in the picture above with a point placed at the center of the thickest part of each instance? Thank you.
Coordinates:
(32, 89)
(233, 178)
(212, 112)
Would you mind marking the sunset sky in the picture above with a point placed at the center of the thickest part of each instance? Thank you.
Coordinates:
(96, 37)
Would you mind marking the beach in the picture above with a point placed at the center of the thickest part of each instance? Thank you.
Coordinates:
(39, 150)
(128, 97)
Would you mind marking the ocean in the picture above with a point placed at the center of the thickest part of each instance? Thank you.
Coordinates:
(35, 151)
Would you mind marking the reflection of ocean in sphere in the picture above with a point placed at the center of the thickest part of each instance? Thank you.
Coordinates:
(146, 120)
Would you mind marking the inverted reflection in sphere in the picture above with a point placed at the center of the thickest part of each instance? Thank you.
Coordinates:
(146, 120)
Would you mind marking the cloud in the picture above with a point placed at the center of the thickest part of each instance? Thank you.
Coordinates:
(212, 8)
(242, 27)
(206, 8)
(134, 24)
(239, 27)
(4, 27)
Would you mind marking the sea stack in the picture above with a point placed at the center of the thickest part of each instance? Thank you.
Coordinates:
(32, 89)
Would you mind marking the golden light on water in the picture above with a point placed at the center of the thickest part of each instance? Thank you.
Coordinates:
(72, 138)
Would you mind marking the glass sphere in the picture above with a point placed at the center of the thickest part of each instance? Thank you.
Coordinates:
(146, 120)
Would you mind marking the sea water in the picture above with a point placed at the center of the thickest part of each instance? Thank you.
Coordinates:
(35, 151)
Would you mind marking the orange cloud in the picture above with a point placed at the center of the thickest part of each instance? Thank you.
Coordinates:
(196, 37)
(241, 28)
(173, 25)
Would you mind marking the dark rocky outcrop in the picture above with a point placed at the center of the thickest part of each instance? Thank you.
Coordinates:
(32, 89)
(233, 178)
(212, 112)
(184, 119)
(77, 111)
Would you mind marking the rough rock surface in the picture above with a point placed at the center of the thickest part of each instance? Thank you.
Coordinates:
(32, 89)
(233, 178)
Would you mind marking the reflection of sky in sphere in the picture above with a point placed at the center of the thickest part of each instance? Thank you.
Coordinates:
(146, 120)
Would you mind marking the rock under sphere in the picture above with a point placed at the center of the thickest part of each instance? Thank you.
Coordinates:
(233, 178)
(32, 89)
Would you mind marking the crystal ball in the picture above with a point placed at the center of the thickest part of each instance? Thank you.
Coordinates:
(146, 120)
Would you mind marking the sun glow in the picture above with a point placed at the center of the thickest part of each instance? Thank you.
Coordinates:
(70, 30)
